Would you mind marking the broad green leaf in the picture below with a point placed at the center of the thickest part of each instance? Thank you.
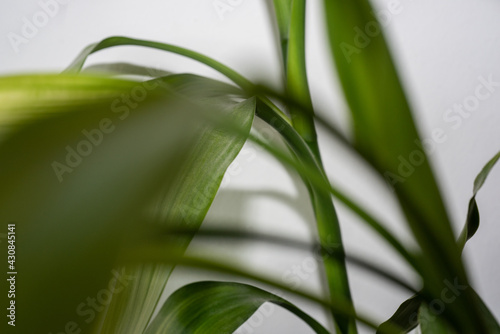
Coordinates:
(75, 182)
(185, 203)
(217, 307)
(384, 132)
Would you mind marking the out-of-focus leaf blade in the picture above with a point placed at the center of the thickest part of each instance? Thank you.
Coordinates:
(217, 307)
(384, 132)
(36, 96)
(185, 203)
(431, 323)
(125, 69)
(75, 182)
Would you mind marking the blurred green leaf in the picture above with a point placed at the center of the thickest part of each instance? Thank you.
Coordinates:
(28, 97)
(217, 307)
(405, 314)
(185, 202)
(76, 181)
(431, 323)
(385, 133)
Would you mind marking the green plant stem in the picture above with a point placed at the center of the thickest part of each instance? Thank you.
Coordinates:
(296, 77)
(326, 218)
(282, 13)
(303, 122)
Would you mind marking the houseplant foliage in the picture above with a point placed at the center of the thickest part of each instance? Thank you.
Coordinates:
(109, 179)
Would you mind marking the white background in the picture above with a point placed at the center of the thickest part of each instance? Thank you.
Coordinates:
(441, 49)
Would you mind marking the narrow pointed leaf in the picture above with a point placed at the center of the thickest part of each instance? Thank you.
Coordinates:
(231, 74)
(472, 222)
(77, 64)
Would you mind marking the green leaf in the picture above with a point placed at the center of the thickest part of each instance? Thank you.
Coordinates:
(291, 17)
(431, 323)
(125, 69)
(186, 202)
(385, 134)
(26, 97)
(472, 221)
(234, 76)
(405, 314)
(217, 307)
(77, 64)
(75, 182)
(283, 10)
